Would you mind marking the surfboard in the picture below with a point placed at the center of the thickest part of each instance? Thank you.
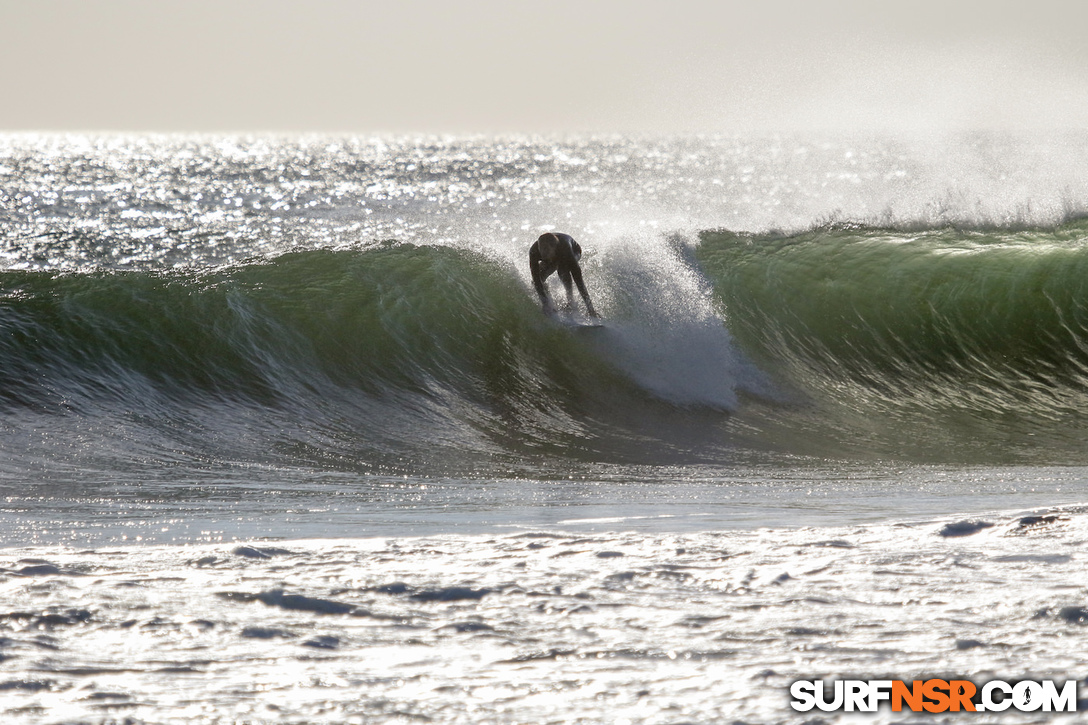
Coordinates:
(577, 324)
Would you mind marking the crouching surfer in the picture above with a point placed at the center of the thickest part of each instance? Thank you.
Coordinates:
(555, 252)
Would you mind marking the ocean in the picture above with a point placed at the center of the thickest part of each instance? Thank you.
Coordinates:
(285, 437)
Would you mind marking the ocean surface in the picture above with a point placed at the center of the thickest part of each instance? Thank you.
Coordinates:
(285, 437)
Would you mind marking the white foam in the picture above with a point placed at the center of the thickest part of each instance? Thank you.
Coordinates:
(666, 330)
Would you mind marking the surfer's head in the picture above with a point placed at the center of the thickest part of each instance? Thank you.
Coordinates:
(558, 248)
(548, 244)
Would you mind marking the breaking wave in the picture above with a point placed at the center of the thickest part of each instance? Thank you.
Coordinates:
(929, 344)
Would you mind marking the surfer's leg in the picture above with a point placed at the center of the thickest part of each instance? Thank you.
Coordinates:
(568, 285)
(577, 274)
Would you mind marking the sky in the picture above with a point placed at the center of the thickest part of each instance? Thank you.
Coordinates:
(540, 66)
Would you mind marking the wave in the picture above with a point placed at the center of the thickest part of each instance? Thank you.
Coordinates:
(977, 332)
(392, 356)
(922, 344)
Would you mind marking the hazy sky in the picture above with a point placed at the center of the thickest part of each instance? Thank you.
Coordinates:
(542, 65)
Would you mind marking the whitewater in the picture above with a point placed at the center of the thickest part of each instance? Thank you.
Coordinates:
(285, 437)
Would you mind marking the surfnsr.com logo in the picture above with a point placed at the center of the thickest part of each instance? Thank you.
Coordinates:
(934, 695)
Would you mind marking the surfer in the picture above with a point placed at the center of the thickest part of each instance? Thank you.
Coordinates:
(555, 252)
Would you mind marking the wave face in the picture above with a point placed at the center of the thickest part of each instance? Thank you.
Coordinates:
(958, 337)
(390, 357)
(928, 345)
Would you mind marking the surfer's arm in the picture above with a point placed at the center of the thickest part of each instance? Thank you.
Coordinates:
(538, 281)
(534, 268)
